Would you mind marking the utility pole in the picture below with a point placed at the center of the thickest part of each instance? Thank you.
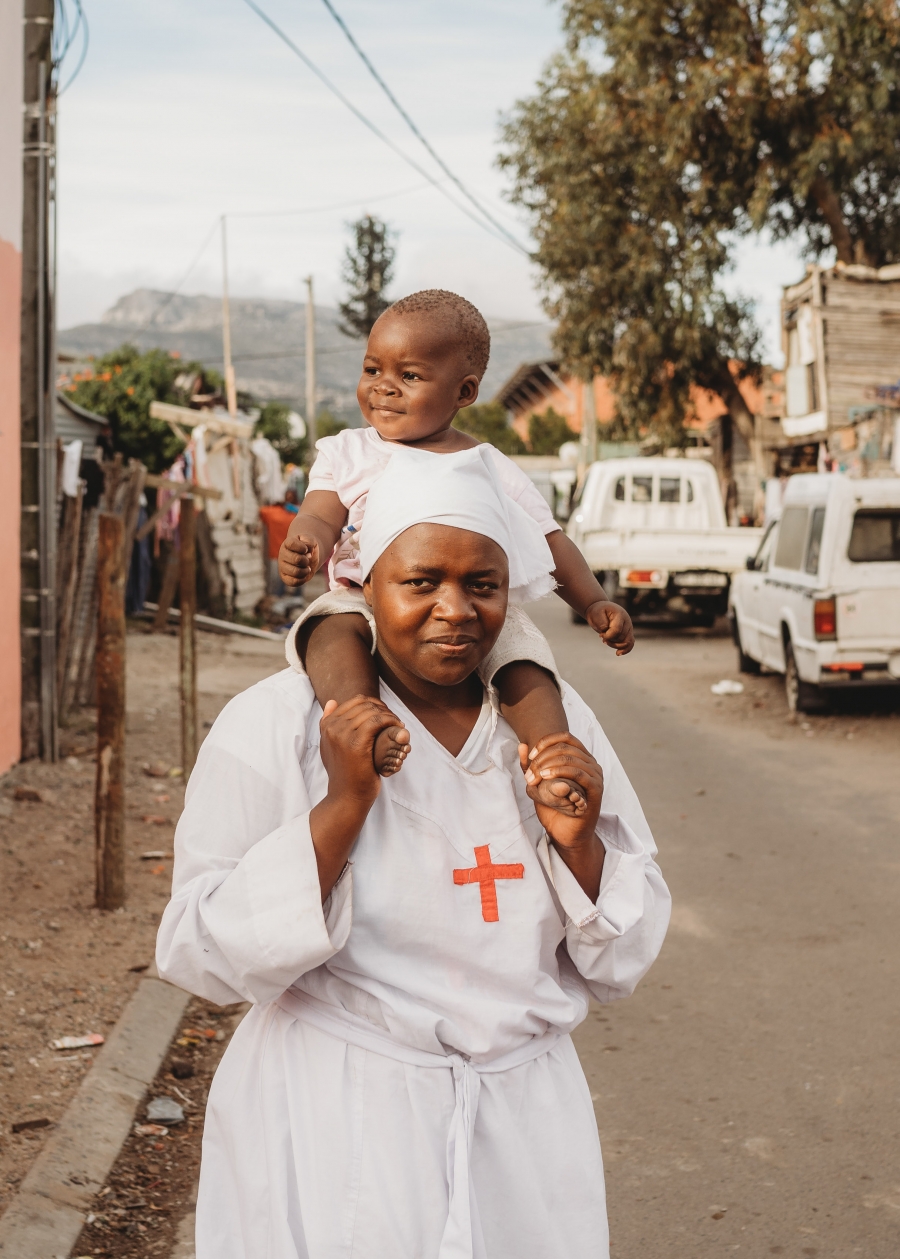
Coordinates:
(310, 368)
(38, 493)
(589, 424)
(230, 388)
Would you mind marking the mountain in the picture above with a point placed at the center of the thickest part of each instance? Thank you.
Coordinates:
(268, 338)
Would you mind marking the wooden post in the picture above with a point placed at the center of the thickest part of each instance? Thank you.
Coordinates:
(109, 799)
(187, 635)
(167, 593)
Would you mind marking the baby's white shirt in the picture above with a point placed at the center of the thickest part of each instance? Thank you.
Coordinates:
(347, 465)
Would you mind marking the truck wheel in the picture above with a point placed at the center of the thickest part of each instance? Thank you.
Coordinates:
(802, 697)
(746, 664)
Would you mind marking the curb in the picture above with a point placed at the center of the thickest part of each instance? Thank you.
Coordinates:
(45, 1218)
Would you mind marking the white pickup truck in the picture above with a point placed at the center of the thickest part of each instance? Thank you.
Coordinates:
(654, 532)
(820, 600)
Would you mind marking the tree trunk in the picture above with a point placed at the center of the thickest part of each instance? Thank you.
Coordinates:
(830, 207)
(741, 415)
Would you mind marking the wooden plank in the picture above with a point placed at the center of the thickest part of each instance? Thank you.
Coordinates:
(178, 489)
(67, 571)
(190, 419)
(109, 796)
(154, 482)
(187, 636)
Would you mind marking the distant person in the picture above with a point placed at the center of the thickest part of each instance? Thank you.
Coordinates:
(417, 950)
(277, 519)
(424, 362)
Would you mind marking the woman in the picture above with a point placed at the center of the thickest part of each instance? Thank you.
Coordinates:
(417, 950)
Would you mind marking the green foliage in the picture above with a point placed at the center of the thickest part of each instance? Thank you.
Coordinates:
(547, 432)
(121, 386)
(328, 425)
(273, 423)
(489, 423)
(665, 131)
(367, 271)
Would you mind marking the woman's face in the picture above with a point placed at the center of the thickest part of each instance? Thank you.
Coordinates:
(439, 597)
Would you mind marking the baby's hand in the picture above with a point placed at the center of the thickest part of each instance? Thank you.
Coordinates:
(298, 559)
(613, 624)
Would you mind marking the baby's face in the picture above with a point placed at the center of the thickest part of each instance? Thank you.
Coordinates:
(414, 377)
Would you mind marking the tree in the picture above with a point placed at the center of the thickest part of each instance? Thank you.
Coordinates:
(367, 271)
(666, 130)
(275, 425)
(122, 384)
(547, 432)
(489, 423)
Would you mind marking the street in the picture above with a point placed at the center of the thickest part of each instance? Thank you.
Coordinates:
(746, 1095)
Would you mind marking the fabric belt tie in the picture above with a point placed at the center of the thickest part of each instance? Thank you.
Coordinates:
(462, 1237)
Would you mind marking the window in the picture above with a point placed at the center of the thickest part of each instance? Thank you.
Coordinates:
(814, 545)
(670, 489)
(875, 537)
(642, 489)
(764, 554)
(791, 537)
(620, 490)
(689, 486)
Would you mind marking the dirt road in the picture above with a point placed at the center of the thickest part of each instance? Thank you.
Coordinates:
(746, 1095)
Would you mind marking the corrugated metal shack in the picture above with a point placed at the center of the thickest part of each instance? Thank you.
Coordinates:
(841, 338)
(223, 461)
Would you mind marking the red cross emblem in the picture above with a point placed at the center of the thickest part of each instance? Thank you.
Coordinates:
(485, 874)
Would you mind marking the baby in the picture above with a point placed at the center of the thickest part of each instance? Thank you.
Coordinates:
(424, 362)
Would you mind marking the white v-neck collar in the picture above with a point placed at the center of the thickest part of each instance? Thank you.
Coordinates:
(473, 756)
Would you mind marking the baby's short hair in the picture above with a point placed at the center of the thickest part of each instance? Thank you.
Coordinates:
(469, 322)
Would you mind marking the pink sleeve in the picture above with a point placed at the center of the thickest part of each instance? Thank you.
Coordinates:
(519, 486)
(321, 474)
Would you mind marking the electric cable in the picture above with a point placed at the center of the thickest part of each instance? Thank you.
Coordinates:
(321, 209)
(316, 209)
(367, 122)
(413, 128)
(174, 293)
(81, 23)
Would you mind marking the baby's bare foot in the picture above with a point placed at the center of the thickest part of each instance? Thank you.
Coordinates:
(560, 794)
(391, 750)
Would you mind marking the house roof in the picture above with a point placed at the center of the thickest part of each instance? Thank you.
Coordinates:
(80, 413)
(530, 385)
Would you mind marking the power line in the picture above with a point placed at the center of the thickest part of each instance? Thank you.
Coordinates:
(414, 129)
(346, 349)
(318, 209)
(321, 209)
(174, 293)
(67, 38)
(367, 122)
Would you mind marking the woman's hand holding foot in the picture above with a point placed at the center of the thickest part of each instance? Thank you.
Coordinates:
(563, 793)
(562, 759)
(390, 750)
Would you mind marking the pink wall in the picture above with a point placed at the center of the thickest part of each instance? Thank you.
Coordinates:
(10, 666)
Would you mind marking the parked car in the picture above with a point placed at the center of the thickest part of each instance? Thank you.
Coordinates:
(654, 532)
(820, 600)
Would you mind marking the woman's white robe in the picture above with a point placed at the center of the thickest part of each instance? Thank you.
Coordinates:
(325, 1145)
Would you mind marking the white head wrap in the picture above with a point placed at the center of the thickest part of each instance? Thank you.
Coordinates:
(462, 490)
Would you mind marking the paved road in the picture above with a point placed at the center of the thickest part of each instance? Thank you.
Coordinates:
(747, 1095)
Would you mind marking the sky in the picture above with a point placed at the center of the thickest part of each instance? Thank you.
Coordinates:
(185, 111)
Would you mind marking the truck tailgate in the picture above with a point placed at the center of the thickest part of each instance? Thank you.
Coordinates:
(869, 617)
(719, 550)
